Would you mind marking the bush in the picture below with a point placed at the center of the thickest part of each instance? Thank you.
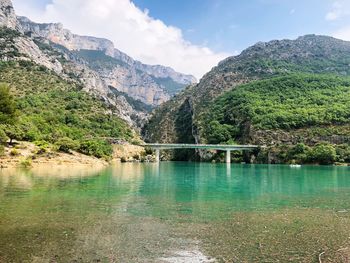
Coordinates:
(2, 150)
(148, 151)
(219, 133)
(300, 153)
(26, 163)
(323, 153)
(66, 144)
(98, 148)
(3, 137)
(14, 152)
(343, 153)
(14, 132)
(136, 142)
(43, 144)
(8, 110)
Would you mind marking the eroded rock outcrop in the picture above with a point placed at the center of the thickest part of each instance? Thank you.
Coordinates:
(152, 84)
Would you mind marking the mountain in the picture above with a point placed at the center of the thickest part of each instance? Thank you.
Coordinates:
(151, 84)
(232, 103)
(129, 86)
(7, 15)
(61, 102)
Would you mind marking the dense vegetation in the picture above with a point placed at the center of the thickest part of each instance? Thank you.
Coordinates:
(8, 110)
(8, 49)
(52, 110)
(278, 104)
(288, 104)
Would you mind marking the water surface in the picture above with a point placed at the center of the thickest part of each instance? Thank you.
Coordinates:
(150, 212)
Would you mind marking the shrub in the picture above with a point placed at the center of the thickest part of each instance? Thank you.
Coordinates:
(343, 153)
(43, 144)
(136, 142)
(98, 148)
(2, 150)
(14, 152)
(41, 150)
(66, 144)
(26, 163)
(14, 132)
(8, 110)
(300, 153)
(3, 137)
(323, 153)
(148, 151)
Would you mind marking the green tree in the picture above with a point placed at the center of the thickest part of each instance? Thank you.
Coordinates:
(66, 144)
(14, 132)
(219, 133)
(324, 153)
(98, 148)
(3, 136)
(3, 140)
(299, 153)
(8, 110)
(343, 153)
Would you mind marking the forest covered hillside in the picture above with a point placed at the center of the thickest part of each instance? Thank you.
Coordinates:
(277, 94)
(54, 111)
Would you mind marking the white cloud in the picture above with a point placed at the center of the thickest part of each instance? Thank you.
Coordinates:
(343, 33)
(132, 30)
(340, 13)
(340, 9)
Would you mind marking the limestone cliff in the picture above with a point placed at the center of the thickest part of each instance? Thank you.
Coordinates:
(7, 15)
(152, 84)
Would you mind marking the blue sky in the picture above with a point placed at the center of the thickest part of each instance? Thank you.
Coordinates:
(224, 27)
(228, 25)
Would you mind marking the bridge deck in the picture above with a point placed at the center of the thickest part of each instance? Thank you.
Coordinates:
(200, 146)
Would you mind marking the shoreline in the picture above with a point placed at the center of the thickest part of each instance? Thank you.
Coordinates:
(28, 155)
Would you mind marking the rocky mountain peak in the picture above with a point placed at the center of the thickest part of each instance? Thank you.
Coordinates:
(56, 33)
(7, 15)
(152, 84)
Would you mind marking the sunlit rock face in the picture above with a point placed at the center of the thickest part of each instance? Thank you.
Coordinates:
(7, 15)
(129, 87)
(151, 84)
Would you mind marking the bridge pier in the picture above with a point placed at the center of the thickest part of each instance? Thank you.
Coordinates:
(228, 156)
(226, 148)
(157, 155)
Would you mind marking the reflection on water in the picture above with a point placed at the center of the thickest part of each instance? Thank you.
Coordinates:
(71, 206)
(192, 187)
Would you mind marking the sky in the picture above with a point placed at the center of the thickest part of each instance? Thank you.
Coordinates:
(191, 36)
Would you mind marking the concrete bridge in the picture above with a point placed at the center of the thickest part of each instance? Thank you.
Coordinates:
(228, 148)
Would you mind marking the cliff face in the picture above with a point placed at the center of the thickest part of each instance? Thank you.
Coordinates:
(152, 85)
(125, 85)
(55, 33)
(18, 47)
(7, 15)
(15, 45)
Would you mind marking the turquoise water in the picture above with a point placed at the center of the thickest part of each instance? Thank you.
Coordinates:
(60, 207)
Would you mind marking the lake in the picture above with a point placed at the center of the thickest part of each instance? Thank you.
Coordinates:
(176, 212)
